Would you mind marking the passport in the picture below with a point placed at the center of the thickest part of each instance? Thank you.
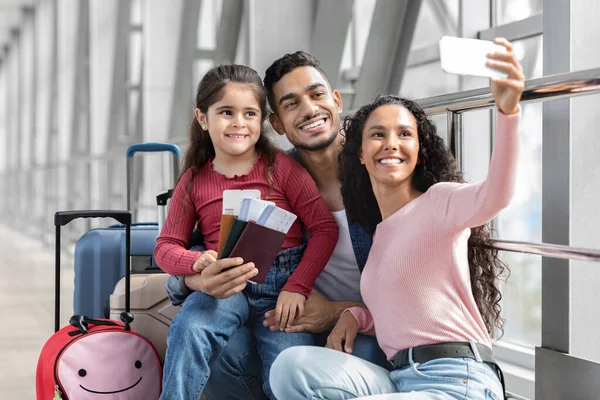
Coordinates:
(236, 230)
(226, 222)
(260, 245)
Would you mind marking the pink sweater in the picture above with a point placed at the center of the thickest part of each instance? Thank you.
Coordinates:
(416, 282)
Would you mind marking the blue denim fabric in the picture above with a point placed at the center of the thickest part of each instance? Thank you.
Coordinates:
(455, 378)
(176, 289)
(237, 372)
(361, 243)
(318, 373)
(203, 327)
(365, 347)
(234, 373)
(361, 240)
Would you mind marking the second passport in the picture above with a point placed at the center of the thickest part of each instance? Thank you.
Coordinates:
(226, 221)
(232, 200)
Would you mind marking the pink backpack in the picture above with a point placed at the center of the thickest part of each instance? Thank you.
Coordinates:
(97, 358)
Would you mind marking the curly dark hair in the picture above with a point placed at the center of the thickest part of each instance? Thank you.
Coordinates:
(436, 165)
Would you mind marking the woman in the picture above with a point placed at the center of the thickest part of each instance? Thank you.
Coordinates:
(431, 296)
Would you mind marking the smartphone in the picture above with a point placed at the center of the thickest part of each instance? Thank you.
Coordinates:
(468, 56)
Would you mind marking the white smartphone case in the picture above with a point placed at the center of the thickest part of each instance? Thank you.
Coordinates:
(468, 56)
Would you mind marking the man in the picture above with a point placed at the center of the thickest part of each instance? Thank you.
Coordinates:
(307, 111)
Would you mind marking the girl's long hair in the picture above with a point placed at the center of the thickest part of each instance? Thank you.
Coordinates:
(437, 165)
(210, 91)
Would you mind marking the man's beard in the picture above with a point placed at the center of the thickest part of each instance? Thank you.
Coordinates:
(325, 143)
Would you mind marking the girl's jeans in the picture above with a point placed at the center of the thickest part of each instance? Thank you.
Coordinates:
(204, 325)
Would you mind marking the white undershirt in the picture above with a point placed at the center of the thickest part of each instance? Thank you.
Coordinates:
(340, 280)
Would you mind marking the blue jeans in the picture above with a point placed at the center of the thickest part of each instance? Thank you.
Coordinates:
(318, 373)
(237, 372)
(203, 327)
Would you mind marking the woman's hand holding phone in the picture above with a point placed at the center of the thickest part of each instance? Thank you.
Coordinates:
(507, 91)
(494, 60)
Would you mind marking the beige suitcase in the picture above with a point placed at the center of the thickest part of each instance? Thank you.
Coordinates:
(149, 304)
(151, 308)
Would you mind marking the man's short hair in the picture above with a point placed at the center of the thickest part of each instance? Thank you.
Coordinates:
(287, 64)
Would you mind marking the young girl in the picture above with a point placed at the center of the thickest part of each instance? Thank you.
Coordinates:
(431, 296)
(229, 150)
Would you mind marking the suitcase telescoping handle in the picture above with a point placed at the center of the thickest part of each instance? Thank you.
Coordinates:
(62, 218)
(161, 202)
(150, 147)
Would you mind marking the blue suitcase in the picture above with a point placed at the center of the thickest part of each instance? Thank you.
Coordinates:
(100, 253)
(99, 264)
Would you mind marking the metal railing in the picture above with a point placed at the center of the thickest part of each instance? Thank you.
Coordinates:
(552, 87)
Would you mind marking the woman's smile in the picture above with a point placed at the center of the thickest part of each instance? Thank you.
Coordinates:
(390, 145)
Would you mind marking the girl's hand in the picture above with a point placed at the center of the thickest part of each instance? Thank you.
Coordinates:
(507, 91)
(208, 257)
(290, 306)
(345, 331)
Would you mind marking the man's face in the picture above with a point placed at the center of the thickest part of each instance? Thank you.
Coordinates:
(307, 110)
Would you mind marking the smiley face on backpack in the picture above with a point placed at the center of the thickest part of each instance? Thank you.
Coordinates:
(96, 367)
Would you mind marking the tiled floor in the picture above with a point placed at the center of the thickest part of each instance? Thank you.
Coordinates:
(27, 308)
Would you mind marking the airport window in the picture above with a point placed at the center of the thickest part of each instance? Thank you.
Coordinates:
(522, 220)
(436, 19)
(516, 10)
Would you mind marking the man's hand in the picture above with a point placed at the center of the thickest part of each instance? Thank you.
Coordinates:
(319, 315)
(219, 284)
(208, 257)
(345, 332)
(290, 305)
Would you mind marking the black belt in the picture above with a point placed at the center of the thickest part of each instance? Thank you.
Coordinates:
(422, 354)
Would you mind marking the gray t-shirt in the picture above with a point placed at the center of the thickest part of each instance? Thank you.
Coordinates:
(340, 280)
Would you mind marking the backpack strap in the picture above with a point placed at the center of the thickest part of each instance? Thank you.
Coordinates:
(81, 322)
